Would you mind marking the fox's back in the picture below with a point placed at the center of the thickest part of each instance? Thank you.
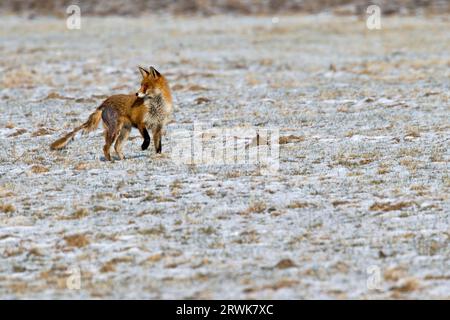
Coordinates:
(121, 103)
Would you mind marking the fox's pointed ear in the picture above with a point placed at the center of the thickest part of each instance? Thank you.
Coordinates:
(143, 72)
(155, 73)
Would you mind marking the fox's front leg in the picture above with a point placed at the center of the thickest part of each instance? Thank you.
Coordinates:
(157, 132)
(146, 136)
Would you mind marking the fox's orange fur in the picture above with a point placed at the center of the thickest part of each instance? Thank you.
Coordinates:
(150, 107)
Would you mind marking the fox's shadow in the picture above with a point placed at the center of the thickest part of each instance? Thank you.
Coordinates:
(116, 158)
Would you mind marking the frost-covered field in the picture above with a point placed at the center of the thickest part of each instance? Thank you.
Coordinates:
(358, 209)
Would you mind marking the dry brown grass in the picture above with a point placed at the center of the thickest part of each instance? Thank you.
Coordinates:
(410, 164)
(152, 211)
(81, 166)
(110, 266)
(279, 284)
(155, 231)
(412, 131)
(252, 79)
(285, 264)
(10, 125)
(337, 203)
(383, 169)
(158, 198)
(225, 7)
(7, 208)
(291, 139)
(6, 193)
(196, 87)
(420, 189)
(233, 174)
(80, 213)
(77, 240)
(437, 155)
(209, 230)
(202, 100)
(351, 160)
(39, 169)
(257, 206)
(41, 132)
(388, 206)
(407, 285)
(301, 205)
(175, 188)
(394, 273)
(24, 77)
(154, 258)
(248, 236)
(17, 133)
(409, 152)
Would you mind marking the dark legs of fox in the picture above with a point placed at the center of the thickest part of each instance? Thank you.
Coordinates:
(156, 138)
(146, 137)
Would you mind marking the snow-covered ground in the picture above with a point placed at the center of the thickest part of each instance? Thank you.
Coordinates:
(359, 207)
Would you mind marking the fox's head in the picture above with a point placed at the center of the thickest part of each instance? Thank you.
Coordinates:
(151, 83)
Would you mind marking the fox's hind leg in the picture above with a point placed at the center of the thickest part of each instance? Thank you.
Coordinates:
(110, 137)
(112, 128)
(123, 136)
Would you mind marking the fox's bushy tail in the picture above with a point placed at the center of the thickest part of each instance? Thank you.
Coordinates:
(90, 125)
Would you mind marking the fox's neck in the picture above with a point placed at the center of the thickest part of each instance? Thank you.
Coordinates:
(156, 99)
(155, 103)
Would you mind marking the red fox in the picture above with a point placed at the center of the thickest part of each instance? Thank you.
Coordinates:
(150, 107)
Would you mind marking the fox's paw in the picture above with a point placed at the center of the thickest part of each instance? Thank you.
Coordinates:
(145, 144)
